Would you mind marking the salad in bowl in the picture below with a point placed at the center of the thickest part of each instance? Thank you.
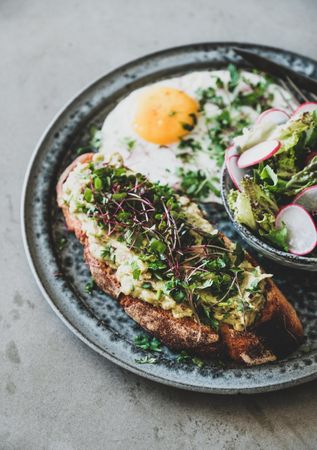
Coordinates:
(270, 189)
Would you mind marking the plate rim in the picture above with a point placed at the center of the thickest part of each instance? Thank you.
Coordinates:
(265, 385)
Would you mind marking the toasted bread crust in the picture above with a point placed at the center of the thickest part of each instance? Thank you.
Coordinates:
(245, 346)
(178, 334)
(279, 324)
(277, 332)
(103, 275)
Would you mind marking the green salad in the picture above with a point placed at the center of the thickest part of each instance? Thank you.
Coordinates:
(274, 167)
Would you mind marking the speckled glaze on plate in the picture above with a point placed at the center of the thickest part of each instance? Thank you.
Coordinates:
(61, 274)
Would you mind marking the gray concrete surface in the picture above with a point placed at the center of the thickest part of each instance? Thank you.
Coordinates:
(55, 393)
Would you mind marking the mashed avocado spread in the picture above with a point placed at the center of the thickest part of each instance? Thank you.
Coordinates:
(161, 248)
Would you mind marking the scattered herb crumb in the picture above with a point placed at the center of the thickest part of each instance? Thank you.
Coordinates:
(94, 141)
(146, 360)
(234, 77)
(61, 242)
(145, 343)
(95, 137)
(89, 287)
(182, 357)
(82, 150)
(198, 362)
(130, 143)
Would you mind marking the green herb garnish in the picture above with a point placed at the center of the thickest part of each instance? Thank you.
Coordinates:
(146, 360)
(61, 242)
(130, 143)
(196, 185)
(89, 287)
(95, 138)
(98, 183)
(145, 343)
(234, 77)
(157, 246)
(88, 196)
(198, 362)
(183, 356)
(136, 271)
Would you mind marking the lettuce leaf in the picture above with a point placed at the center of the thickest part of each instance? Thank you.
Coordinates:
(240, 204)
(302, 130)
(253, 206)
(256, 208)
(304, 178)
(278, 237)
(297, 137)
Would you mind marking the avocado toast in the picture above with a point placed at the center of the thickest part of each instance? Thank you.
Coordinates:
(169, 269)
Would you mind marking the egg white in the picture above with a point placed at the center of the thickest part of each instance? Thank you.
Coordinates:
(160, 163)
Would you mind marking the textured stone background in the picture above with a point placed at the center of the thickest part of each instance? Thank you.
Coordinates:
(55, 393)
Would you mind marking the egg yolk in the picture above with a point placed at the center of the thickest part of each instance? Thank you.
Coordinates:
(165, 115)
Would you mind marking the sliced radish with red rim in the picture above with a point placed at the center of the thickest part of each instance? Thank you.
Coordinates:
(236, 174)
(258, 153)
(273, 115)
(231, 151)
(310, 156)
(308, 199)
(302, 234)
(304, 107)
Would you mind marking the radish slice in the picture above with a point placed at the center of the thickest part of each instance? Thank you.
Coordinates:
(304, 107)
(308, 199)
(235, 173)
(274, 115)
(310, 156)
(231, 151)
(258, 153)
(302, 234)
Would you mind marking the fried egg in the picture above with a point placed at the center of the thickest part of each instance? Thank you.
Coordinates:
(161, 128)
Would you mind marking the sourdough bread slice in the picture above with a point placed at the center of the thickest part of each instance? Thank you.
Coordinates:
(277, 332)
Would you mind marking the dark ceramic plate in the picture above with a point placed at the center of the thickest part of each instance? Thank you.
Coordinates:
(61, 274)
